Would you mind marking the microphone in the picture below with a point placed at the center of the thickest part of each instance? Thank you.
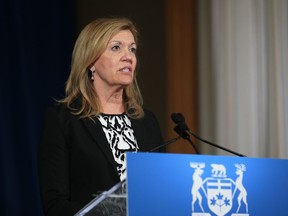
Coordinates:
(165, 144)
(182, 132)
(179, 119)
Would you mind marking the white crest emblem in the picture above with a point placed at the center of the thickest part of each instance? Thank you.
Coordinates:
(218, 190)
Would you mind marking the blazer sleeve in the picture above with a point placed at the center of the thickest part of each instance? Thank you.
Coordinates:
(53, 168)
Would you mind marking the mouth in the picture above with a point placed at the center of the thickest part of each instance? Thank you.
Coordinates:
(126, 69)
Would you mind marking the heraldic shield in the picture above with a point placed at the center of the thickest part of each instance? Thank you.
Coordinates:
(219, 191)
(219, 195)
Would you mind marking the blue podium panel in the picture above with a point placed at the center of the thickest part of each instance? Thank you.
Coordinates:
(201, 185)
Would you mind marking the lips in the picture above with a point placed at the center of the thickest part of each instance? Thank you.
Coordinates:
(126, 69)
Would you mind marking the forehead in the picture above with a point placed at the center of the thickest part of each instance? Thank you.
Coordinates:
(123, 36)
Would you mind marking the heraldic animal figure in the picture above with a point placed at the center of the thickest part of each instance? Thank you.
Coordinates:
(197, 184)
(218, 170)
(240, 168)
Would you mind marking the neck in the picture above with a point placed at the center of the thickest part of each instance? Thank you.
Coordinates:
(240, 176)
(112, 102)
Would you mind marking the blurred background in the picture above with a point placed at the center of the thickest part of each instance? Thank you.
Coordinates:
(221, 63)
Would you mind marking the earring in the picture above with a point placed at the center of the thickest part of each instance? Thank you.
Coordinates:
(92, 75)
(92, 71)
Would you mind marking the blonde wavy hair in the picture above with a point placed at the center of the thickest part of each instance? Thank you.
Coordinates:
(89, 46)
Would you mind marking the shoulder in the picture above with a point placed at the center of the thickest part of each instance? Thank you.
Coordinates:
(59, 113)
(148, 118)
(58, 109)
(148, 114)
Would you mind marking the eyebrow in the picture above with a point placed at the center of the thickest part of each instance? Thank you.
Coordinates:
(120, 42)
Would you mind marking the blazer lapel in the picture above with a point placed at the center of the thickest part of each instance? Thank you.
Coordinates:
(95, 130)
(138, 132)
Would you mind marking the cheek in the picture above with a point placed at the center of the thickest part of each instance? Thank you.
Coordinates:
(135, 63)
(103, 65)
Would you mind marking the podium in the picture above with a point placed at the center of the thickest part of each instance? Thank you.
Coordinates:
(111, 203)
(200, 185)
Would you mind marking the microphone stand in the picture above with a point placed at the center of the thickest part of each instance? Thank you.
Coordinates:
(178, 129)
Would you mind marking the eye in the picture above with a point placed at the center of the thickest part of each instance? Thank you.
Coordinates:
(115, 48)
(133, 50)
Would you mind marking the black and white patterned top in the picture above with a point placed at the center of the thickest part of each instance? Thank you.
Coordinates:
(120, 136)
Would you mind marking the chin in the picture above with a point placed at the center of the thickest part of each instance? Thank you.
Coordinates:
(126, 82)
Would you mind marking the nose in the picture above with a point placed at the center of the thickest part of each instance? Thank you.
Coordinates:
(128, 56)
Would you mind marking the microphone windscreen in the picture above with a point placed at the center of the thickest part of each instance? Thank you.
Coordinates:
(177, 118)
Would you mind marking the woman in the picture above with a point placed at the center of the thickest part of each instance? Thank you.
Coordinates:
(86, 135)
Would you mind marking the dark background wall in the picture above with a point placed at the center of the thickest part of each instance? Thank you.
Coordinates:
(37, 38)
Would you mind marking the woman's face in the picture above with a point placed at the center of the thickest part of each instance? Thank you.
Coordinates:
(116, 66)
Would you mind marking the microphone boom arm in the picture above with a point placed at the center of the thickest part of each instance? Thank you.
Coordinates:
(179, 119)
(215, 145)
(165, 144)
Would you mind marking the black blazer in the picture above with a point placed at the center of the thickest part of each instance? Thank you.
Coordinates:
(75, 160)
